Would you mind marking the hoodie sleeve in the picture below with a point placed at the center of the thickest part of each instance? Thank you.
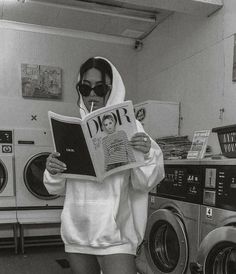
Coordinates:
(146, 177)
(54, 184)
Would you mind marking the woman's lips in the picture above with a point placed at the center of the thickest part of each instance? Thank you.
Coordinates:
(94, 103)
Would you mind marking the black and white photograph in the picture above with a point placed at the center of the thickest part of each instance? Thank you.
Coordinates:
(118, 136)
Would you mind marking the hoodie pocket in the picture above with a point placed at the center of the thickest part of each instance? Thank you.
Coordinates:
(90, 223)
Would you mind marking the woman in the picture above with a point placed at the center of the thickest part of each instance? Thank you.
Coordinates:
(102, 224)
(116, 146)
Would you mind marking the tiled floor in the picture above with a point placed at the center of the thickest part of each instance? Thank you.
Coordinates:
(36, 260)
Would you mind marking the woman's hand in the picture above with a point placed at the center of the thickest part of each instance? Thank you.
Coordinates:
(141, 142)
(53, 165)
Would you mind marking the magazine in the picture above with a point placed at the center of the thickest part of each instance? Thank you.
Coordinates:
(98, 145)
(199, 144)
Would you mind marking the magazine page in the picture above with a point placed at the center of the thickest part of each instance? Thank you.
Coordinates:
(199, 144)
(108, 131)
(69, 141)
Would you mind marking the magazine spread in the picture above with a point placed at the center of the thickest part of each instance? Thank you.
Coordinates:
(98, 145)
(199, 144)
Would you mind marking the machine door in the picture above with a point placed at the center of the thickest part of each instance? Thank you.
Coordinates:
(33, 176)
(6, 176)
(167, 247)
(217, 252)
(3, 176)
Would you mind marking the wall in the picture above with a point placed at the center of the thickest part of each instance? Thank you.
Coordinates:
(21, 44)
(186, 59)
(189, 59)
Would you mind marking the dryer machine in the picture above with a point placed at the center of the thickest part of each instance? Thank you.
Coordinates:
(217, 252)
(8, 220)
(7, 184)
(172, 234)
(34, 203)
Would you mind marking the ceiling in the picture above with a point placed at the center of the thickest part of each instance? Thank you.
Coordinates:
(125, 18)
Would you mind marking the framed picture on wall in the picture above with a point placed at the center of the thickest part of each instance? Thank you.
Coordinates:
(38, 81)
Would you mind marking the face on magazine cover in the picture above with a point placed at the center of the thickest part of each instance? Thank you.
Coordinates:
(92, 78)
(109, 124)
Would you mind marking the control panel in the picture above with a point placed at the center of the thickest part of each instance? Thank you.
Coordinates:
(6, 141)
(220, 186)
(183, 183)
(208, 184)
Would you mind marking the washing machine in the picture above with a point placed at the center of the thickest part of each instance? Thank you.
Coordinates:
(172, 233)
(8, 220)
(217, 251)
(7, 184)
(34, 203)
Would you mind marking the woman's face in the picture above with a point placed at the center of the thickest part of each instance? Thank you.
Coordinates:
(109, 125)
(93, 77)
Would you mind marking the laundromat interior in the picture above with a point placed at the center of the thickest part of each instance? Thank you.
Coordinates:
(177, 59)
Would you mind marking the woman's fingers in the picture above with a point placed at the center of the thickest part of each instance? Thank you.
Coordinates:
(53, 165)
(141, 142)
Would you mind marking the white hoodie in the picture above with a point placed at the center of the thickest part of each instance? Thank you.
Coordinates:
(108, 217)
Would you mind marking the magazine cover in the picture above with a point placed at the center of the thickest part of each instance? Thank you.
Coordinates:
(98, 145)
(199, 144)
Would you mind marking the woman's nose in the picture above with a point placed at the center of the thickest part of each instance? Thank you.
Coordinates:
(92, 93)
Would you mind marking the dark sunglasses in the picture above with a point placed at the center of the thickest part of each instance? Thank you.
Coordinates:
(100, 90)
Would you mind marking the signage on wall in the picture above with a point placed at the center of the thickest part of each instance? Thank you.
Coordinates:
(38, 81)
(140, 114)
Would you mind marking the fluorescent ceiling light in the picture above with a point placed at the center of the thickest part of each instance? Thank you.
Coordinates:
(98, 8)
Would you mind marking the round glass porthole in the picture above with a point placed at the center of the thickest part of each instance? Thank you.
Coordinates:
(33, 176)
(167, 242)
(164, 246)
(3, 176)
(222, 259)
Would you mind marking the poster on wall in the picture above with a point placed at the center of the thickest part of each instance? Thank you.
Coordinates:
(40, 81)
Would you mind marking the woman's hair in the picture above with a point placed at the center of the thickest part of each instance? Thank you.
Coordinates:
(100, 64)
(109, 117)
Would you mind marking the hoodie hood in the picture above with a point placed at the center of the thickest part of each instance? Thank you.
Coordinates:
(117, 94)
